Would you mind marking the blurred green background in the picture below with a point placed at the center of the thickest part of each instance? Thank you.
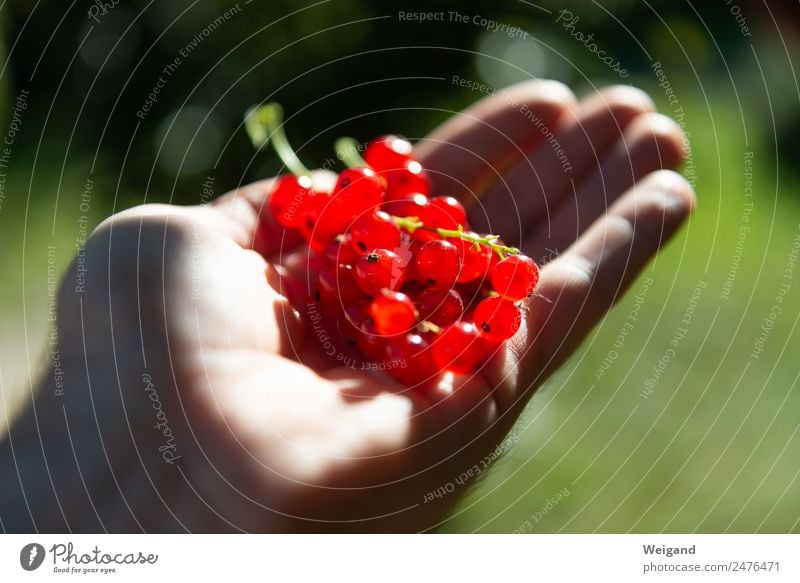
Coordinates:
(615, 442)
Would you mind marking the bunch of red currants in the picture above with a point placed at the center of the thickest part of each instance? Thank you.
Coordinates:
(397, 273)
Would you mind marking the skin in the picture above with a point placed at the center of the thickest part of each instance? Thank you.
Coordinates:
(184, 325)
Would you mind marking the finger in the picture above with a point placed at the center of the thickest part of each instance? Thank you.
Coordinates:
(651, 142)
(541, 179)
(491, 134)
(577, 289)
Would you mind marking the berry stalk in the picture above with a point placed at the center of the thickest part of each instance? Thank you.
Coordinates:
(411, 224)
(264, 125)
(427, 326)
(347, 151)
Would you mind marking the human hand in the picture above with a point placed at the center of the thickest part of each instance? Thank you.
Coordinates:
(183, 325)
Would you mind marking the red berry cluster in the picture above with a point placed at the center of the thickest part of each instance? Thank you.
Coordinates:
(398, 274)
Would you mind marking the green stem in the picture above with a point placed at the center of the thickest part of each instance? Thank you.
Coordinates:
(411, 224)
(426, 326)
(347, 151)
(264, 125)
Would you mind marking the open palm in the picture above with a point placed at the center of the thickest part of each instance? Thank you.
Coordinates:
(266, 433)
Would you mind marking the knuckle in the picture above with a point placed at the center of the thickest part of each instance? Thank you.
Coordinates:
(541, 93)
(657, 137)
(678, 193)
(627, 99)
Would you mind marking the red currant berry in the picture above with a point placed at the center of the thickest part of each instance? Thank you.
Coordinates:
(515, 277)
(357, 191)
(409, 247)
(424, 235)
(409, 179)
(438, 264)
(447, 213)
(287, 198)
(353, 321)
(459, 349)
(440, 306)
(413, 205)
(412, 288)
(380, 269)
(388, 153)
(408, 359)
(471, 293)
(393, 313)
(338, 288)
(475, 259)
(316, 231)
(340, 252)
(497, 319)
(369, 342)
(374, 230)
